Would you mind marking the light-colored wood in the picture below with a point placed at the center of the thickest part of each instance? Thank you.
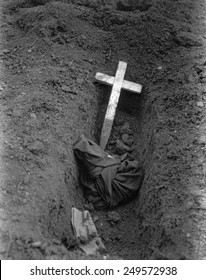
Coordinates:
(117, 83)
(113, 101)
(109, 80)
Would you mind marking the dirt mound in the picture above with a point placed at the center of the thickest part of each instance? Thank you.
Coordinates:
(46, 20)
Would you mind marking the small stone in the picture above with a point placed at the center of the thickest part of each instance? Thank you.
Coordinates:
(5, 51)
(188, 39)
(125, 6)
(72, 45)
(125, 129)
(68, 89)
(33, 115)
(121, 148)
(127, 139)
(79, 81)
(28, 239)
(19, 242)
(2, 86)
(95, 219)
(202, 139)
(203, 203)
(119, 121)
(113, 216)
(36, 244)
(200, 104)
(192, 78)
(82, 239)
(89, 206)
(26, 179)
(24, 201)
(120, 19)
(36, 147)
(203, 74)
(27, 194)
(16, 113)
(128, 5)
(56, 241)
(32, 122)
(203, 80)
(44, 245)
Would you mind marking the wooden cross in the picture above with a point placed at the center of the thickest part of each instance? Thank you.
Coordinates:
(117, 84)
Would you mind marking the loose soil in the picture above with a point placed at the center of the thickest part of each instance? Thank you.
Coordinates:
(49, 54)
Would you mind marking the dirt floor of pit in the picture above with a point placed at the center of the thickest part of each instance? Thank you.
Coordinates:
(49, 54)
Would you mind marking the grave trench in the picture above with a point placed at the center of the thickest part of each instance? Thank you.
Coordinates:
(139, 233)
(139, 229)
(130, 109)
(116, 238)
(125, 240)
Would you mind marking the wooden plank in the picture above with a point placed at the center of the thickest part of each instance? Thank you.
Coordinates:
(104, 79)
(113, 101)
(109, 80)
(132, 87)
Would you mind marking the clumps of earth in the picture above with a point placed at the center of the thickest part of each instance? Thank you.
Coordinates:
(113, 217)
(50, 52)
(132, 5)
(123, 143)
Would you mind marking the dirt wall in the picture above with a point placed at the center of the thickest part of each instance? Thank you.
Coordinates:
(50, 54)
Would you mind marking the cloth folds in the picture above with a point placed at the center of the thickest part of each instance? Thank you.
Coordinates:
(107, 181)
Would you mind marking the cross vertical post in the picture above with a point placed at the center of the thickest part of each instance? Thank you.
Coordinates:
(117, 83)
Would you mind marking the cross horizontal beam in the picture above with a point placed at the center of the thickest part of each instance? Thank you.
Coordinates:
(109, 80)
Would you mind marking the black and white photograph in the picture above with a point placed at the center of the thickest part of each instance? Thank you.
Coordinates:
(103, 133)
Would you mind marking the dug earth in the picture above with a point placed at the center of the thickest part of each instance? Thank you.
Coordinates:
(50, 52)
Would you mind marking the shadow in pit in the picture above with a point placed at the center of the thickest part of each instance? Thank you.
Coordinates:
(129, 106)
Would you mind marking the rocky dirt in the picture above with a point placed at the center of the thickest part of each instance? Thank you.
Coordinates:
(49, 54)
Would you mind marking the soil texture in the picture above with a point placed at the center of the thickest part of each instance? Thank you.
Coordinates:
(50, 52)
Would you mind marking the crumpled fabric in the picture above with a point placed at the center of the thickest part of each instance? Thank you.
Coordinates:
(107, 181)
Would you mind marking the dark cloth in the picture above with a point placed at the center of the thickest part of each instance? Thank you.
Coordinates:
(107, 181)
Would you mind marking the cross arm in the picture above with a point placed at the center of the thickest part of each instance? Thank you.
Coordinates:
(109, 80)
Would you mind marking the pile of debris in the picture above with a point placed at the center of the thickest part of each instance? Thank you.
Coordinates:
(86, 233)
